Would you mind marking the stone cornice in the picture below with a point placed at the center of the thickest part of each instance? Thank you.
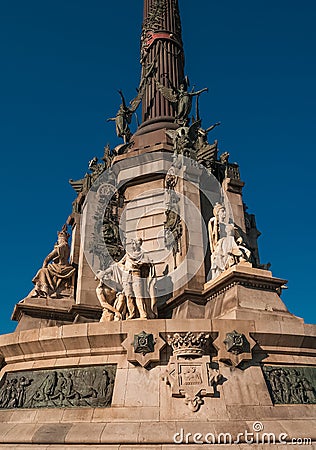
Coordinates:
(243, 276)
(99, 339)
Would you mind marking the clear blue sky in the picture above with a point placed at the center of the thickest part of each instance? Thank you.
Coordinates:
(61, 64)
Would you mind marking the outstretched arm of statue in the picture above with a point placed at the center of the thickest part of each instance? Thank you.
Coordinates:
(212, 127)
(111, 119)
(123, 99)
(199, 92)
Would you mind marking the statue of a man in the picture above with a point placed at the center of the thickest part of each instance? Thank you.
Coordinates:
(55, 270)
(110, 295)
(138, 279)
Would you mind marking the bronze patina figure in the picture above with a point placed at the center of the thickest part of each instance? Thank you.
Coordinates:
(181, 98)
(202, 135)
(124, 115)
(122, 120)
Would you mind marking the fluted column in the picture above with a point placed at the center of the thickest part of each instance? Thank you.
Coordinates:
(161, 52)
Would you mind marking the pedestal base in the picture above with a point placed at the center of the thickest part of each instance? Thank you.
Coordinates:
(32, 313)
(144, 411)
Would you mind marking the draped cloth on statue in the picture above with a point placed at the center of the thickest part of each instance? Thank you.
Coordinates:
(134, 276)
(138, 277)
(50, 277)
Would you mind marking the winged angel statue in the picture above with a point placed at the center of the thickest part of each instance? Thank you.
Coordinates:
(181, 98)
(124, 115)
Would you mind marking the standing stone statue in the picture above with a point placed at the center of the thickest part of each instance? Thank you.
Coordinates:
(138, 280)
(56, 270)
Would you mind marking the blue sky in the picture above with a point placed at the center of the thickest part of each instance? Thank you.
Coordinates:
(61, 65)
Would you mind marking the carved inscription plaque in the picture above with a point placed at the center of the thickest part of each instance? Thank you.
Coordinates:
(60, 388)
(288, 385)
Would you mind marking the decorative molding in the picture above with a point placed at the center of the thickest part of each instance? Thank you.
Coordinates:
(106, 243)
(236, 343)
(193, 379)
(240, 275)
(190, 373)
(234, 348)
(173, 229)
(143, 348)
(144, 343)
(189, 344)
(61, 310)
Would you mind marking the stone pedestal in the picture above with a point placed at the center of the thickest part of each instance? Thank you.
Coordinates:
(143, 411)
(237, 293)
(242, 290)
(34, 313)
(40, 313)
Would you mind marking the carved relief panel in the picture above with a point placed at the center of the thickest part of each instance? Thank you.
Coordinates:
(291, 385)
(75, 387)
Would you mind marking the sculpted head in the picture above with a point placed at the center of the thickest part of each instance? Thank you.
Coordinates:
(219, 212)
(136, 244)
(63, 235)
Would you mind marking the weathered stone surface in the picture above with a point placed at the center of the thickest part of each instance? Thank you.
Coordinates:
(52, 433)
(85, 432)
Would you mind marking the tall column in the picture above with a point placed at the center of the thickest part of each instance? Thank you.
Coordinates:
(162, 49)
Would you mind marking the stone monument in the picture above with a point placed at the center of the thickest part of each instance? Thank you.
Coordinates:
(159, 326)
